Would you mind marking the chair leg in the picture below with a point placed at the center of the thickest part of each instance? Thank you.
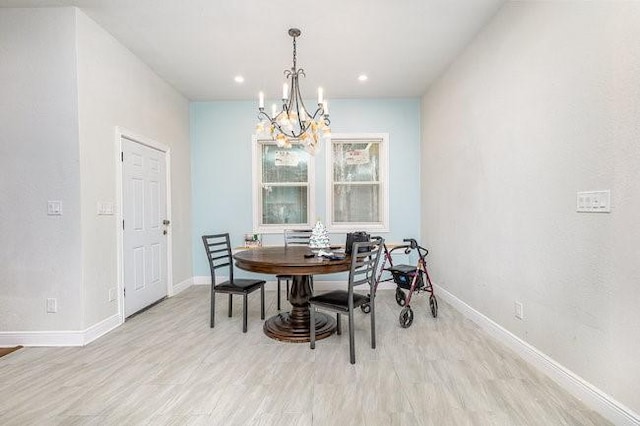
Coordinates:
(338, 325)
(352, 349)
(213, 307)
(373, 323)
(230, 305)
(288, 290)
(279, 279)
(262, 302)
(312, 326)
(244, 313)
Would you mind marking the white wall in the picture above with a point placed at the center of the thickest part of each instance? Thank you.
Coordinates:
(65, 84)
(39, 161)
(117, 89)
(544, 103)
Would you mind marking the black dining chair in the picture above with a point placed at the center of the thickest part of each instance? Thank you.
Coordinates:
(218, 248)
(364, 263)
(293, 237)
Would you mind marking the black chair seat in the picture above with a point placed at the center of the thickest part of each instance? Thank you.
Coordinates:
(338, 300)
(239, 286)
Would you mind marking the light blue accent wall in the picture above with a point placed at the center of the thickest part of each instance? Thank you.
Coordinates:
(221, 167)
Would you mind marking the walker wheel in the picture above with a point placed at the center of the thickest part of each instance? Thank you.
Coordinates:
(406, 317)
(433, 303)
(366, 308)
(400, 297)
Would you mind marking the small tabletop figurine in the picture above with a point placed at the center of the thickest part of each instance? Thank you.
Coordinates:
(319, 237)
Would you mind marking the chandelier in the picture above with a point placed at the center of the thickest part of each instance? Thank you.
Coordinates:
(294, 121)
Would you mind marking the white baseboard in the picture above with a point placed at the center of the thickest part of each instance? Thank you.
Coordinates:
(59, 338)
(100, 329)
(590, 395)
(180, 287)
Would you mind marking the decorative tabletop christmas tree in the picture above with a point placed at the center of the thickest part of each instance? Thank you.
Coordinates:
(319, 237)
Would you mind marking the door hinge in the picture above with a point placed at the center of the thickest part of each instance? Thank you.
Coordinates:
(122, 156)
(123, 224)
(125, 292)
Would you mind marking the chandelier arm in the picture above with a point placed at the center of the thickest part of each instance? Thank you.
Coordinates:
(299, 103)
(261, 114)
(318, 113)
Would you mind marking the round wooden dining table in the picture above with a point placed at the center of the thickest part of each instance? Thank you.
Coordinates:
(293, 326)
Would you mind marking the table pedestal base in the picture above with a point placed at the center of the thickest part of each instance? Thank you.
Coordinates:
(294, 326)
(284, 327)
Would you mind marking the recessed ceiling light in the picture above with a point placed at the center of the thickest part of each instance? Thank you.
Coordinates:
(363, 77)
(238, 79)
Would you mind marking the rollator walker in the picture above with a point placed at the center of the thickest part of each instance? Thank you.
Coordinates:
(414, 278)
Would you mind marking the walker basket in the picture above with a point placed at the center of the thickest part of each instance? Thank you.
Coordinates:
(403, 276)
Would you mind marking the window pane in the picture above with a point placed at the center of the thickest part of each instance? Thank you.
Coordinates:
(284, 165)
(356, 162)
(284, 204)
(356, 203)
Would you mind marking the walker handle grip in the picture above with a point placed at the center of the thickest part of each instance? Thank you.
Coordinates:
(413, 243)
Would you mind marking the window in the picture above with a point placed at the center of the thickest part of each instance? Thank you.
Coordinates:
(282, 191)
(357, 182)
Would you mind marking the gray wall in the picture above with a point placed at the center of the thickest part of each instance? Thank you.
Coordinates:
(544, 103)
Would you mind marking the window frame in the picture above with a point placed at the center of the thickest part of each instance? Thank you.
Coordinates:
(256, 189)
(383, 179)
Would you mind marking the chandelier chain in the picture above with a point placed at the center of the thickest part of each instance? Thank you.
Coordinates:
(294, 53)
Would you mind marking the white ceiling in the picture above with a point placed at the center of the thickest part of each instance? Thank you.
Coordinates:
(199, 46)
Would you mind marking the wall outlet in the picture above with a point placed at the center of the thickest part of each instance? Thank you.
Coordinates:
(519, 310)
(112, 294)
(52, 306)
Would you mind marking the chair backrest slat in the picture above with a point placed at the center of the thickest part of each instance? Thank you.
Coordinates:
(297, 237)
(365, 257)
(218, 249)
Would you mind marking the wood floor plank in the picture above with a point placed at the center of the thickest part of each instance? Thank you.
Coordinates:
(167, 367)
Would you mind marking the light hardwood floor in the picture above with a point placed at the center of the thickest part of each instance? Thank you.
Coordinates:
(166, 366)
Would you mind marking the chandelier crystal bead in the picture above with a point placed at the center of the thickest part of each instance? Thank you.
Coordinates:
(294, 121)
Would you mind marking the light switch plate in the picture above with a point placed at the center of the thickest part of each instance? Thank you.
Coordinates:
(54, 208)
(593, 202)
(105, 208)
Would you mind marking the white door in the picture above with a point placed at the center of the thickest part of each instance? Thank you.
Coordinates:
(144, 208)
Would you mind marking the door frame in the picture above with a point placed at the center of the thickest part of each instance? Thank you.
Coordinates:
(121, 133)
